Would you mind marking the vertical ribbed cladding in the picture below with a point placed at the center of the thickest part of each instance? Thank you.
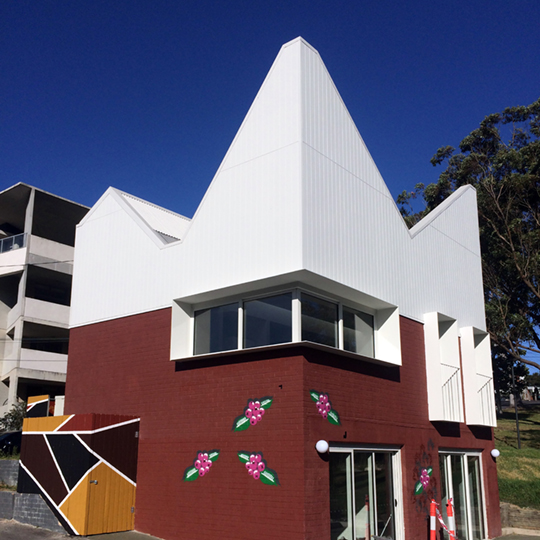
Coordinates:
(346, 204)
(249, 222)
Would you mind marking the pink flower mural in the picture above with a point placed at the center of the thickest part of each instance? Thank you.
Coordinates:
(324, 407)
(253, 413)
(257, 468)
(201, 465)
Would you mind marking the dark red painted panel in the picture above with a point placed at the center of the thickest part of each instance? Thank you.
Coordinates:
(118, 446)
(36, 457)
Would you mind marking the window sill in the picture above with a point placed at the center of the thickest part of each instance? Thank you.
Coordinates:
(289, 345)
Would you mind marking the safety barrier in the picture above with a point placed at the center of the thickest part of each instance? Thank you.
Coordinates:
(434, 512)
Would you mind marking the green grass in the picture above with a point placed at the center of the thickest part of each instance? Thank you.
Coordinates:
(519, 470)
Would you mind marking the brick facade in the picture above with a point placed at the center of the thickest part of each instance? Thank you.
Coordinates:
(122, 367)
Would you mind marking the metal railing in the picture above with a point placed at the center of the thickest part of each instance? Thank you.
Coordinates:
(12, 242)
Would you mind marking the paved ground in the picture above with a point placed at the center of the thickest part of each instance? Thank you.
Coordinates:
(12, 530)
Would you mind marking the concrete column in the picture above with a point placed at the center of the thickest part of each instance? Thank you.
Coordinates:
(13, 384)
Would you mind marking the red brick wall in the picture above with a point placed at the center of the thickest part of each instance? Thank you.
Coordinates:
(122, 367)
(386, 406)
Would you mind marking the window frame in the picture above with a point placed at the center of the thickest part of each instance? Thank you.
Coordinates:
(464, 454)
(397, 477)
(296, 319)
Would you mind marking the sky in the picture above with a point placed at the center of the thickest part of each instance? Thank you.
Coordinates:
(147, 96)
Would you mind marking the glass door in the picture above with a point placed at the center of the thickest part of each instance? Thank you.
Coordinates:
(461, 482)
(361, 480)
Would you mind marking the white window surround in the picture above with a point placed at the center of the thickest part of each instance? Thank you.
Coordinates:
(478, 388)
(443, 368)
(386, 321)
(397, 477)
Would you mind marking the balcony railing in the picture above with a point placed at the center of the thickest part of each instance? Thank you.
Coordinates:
(12, 242)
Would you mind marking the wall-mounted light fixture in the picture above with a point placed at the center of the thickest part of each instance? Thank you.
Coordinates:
(322, 446)
(495, 453)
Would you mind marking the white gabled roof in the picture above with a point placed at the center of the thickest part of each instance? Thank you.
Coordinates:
(296, 192)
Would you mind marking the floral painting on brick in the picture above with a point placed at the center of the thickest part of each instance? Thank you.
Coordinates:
(425, 485)
(201, 465)
(324, 406)
(253, 413)
(257, 468)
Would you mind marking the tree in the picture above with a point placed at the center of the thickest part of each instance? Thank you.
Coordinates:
(13, 419)
(501, 159)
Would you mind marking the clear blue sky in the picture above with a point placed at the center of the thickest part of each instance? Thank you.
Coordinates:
(146, 96)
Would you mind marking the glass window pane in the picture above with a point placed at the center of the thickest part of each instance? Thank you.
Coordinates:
(216, 329)
(385, 495)
(363, 495)
(444, 484)
(340, 497)
(475, 492)
(460, 502)
(268, 321)
(358, 332)
(319, 321)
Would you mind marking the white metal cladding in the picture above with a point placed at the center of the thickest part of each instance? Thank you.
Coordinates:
(118, 268)
(296, 191)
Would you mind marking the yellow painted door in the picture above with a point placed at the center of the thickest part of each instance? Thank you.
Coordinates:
(111, 501)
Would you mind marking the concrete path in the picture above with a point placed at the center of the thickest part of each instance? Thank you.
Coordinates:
(13, 530)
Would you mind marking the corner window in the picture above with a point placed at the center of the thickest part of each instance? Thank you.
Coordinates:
(319, 321)
(216, 329)
(289, 316)
(268, 321)
(358, 335)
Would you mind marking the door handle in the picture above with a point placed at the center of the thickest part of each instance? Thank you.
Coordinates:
(93, 482)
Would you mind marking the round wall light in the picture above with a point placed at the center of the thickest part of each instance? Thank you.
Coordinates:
(322, 446)
(495, 453)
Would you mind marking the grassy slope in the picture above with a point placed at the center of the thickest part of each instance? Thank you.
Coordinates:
(519, 470)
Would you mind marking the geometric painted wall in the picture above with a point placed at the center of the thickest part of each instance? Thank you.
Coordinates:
(37, 406)
(85, 468)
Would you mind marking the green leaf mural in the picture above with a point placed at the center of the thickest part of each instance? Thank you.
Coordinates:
(269, 477)
(241, 423)
(418, 488)
(191, 474)
(201, 465)
(243, 457)
(253, 413)
(257, 469)
(333, 417)
(324, 406)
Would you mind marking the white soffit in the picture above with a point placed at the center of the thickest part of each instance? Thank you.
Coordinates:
(298, 190)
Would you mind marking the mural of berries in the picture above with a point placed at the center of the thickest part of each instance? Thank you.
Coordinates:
(257, 468)
(423, 483)
(253, 413)
(201, 465)
(324, 406)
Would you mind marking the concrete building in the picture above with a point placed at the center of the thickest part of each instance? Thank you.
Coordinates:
(336, 362)
(37, 235)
